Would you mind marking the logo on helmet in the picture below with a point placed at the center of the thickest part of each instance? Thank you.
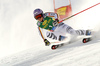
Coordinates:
(35, 12)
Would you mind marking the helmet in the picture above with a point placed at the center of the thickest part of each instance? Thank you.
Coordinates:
(37, 12)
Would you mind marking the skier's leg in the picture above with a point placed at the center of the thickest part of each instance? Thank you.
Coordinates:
(63, 28)
(83, 32)
(51, 35)
(77, 32)
(55, 35)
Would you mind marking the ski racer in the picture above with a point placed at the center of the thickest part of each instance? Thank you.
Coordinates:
(57, 31)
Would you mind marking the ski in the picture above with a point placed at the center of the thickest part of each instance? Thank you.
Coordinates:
(85, 40)
(53, 47)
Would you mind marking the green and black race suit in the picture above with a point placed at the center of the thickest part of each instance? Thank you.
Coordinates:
(46, 24)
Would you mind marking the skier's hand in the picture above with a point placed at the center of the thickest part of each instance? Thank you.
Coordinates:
(55, 23)
(47, 43)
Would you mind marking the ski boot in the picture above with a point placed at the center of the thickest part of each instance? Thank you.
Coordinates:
(61, 38)
(88, 32)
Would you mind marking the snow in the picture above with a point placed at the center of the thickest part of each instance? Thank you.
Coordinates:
(21, 45)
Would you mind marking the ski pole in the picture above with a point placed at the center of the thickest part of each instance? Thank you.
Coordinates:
(78, 13)
(41, 33)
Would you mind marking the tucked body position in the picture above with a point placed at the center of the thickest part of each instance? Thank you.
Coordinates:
(56, 31)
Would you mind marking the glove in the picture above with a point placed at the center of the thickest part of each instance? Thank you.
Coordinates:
(47, 43)
(55, 23)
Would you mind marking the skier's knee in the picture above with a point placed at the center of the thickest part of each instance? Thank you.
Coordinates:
(51, 35)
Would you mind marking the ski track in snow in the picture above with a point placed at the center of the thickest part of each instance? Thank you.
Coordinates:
(34, 53)
(73, 54)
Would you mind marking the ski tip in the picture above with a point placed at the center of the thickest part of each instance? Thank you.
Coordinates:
(85, 40)
(54, 47)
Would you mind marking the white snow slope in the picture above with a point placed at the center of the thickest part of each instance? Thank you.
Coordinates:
(21, 45)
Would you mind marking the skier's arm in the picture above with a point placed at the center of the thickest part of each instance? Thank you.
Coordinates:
(47, 43)
(53, 15)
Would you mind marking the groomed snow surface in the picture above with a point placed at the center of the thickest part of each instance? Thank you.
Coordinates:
(21, 45)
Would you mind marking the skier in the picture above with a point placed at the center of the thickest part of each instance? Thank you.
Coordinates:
(57, 31)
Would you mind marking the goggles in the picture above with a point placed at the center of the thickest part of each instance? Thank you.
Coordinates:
(38, 16)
